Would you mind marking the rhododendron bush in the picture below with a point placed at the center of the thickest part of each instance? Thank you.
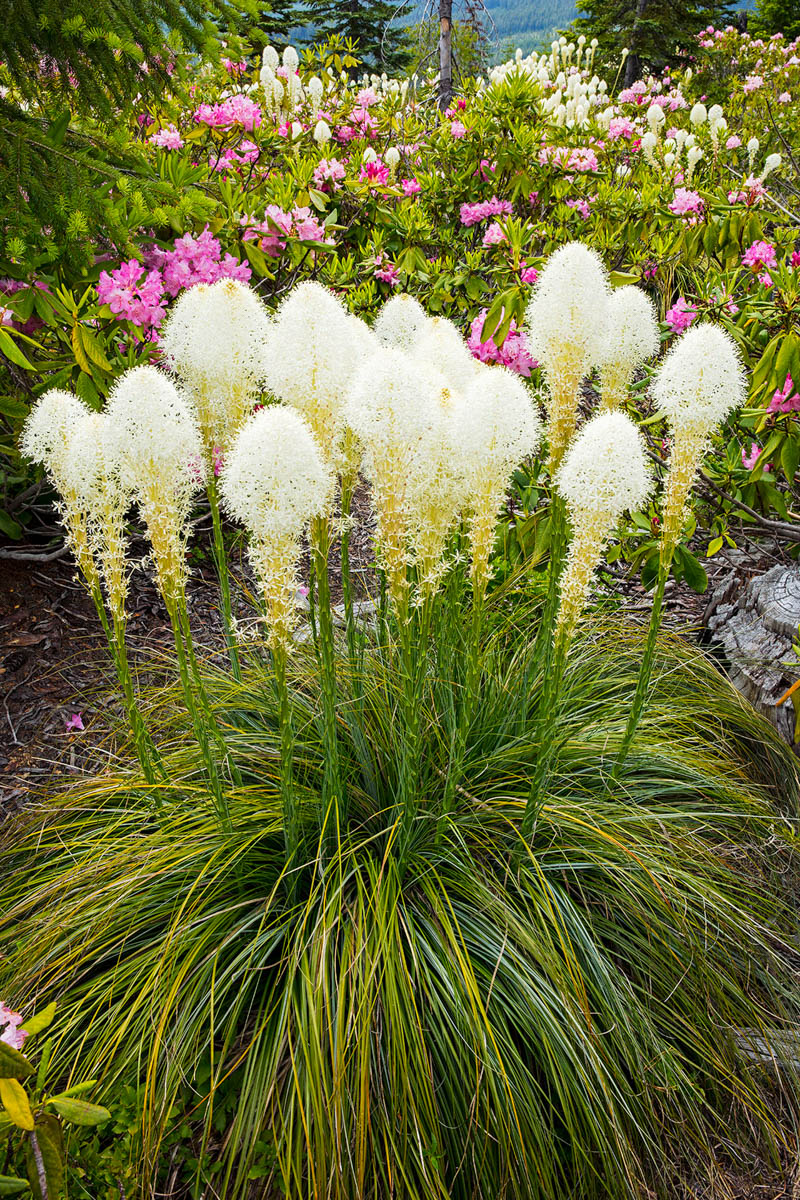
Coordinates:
(282, 169)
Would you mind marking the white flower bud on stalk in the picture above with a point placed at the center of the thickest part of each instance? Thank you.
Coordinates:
(275, 481)
(213, 339)
(401, 322)
(633, 336)
(698, 384)
(567, 322)
(322, 133)
(604, 474)
(499, 429)
(270, 58)
(771, 164)
(154, 439)
(698, 114)
(47, 438)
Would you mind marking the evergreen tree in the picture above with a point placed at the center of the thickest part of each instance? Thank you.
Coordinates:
(776, 16)
(376, 26)
(64, 59)
(656, 32)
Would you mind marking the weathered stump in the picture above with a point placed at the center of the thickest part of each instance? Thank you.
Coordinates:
(756, 625)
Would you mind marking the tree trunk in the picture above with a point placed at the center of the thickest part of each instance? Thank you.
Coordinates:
(633, 64)
(445, 52)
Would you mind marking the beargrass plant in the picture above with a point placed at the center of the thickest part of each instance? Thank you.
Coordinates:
(438, 916)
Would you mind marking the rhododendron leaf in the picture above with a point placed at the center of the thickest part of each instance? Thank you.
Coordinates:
(13, 1065)
(714, 546)
(80, 1112)
(623, 278)
(11, 350)
(93, 348)
(318, 199)
(14, 1100)
(80, 353)
(50, 1137)
(257, 259)
(11, 1186)
(790, 458)
(40, 1020)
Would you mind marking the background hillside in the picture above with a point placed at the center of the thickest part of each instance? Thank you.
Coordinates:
(527, 24)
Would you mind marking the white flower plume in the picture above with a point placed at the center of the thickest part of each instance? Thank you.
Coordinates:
(313, 351)
(700, 381)
(633, 336)
(274, 479)
(214, 339)
(401, 322)
(568, 312)
(47, 430)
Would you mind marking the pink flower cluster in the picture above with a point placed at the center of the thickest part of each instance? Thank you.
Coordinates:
(686, 202)
(278, 226)
(513, 354)
(133, 293)
(247, 152)
(458, 129)
(139, 292)
(236, 110)
(581, 158)
(472, 214)
(753, 193)
(582, 206)
(410, 187)
(785, 399)
(195, 260)
(681, 315)
(621, 127)
(12, 1035)
(760, 255)
(385, 270)
(329, 170)
(375, 172)
(166, 139)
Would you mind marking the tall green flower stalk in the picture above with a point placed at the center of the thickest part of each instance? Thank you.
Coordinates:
(699, 382)
(221, 563)
(334, 805)
(275, 482)
(72, 444)
(603, 474)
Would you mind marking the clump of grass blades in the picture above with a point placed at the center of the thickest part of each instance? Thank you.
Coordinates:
(481, 1023)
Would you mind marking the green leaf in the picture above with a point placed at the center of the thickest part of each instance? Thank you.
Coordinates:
(50, 1137)
(714, 546)
(623, 278)
(12, 351)
(13, 1065)
(14, 1099)
(790, 458)
(9, 526)
(40, 1020)
(9, 1186)
(693, 570)
(80, 1112)
(58, 128)
(93, 349)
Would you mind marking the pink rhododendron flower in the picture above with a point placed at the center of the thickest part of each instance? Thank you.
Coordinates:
(472, 214)
(513, 354)
(634, 94)
(345, 133)
(752, 84)
(759, 255)
(6, 316)
(458, 129)
(527, 274)
(133, 293)
(234, 68)
(196, 260)
(386, 270)
(374, 172)
(686, 202)
(621, 127)
(276, 223)
(329, 170)
(750, 460)
(236, 110)
(166, 139)
(410, 187)
(785, 399)
(366, 97)
(74, 723)
(10, 1032)
(581, 206)
(681, 315)
(785, 98)
(307, 227)
(794, 261)
(494, 235)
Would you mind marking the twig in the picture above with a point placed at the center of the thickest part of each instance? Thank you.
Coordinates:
(33, 556)
(40, 1171)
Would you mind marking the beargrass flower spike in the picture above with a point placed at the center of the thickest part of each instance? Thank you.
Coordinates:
(214, 339)
(155, 440)
(604, 473)
(700, 381)
(401, 322)
(568, 327)
(275, 481)
(633, 336)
